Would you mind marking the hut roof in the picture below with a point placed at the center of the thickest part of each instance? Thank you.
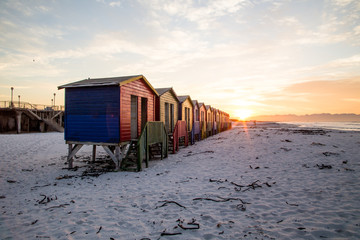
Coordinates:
(208, 107)
(161, 91)
(195, 102)
(183, 99)
(111, 81)
(200, 104)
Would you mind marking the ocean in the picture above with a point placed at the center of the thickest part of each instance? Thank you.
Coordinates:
(345, 126)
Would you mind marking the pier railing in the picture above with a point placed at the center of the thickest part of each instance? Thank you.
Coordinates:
(31, 106)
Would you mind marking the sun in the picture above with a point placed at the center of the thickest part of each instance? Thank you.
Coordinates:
(243, 114)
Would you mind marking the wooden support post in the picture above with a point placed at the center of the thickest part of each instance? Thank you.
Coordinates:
(28, 124)
(18, 122)
(72, 152)
(116, 157)
(147, 148)
(94, 153)
(161, 149)
(69, 160)
(42, 126)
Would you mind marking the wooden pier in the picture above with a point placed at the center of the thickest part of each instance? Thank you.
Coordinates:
(24, 119)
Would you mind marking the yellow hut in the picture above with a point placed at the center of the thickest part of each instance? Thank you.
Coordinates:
(202, 112)
(209, 120)
(167, 108)
(186, 111)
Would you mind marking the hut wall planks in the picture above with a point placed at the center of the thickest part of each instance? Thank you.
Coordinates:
(188, 104)
(168, 97)
(92, 115)
(140, 89)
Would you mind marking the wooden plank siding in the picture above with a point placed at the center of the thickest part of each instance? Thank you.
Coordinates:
(202, 113)
(169, 98)
(140, 89)
(92, 115)
(209, 120)
(187, 104)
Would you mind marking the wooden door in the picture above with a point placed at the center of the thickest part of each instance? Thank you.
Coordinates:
(144, 116)
(167, 116)
(134, 117)
(171, 117)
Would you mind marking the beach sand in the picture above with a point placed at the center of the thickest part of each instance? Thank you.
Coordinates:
(268, 181)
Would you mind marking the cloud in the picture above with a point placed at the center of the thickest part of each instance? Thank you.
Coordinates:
(342, 3)
(115, 4)
(339, 96)
(204, 15)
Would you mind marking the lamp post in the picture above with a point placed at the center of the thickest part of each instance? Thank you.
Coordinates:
(52, 102)
(54, 99)
(11, 103)
(19, 101)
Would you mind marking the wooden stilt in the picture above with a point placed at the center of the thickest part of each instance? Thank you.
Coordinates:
(161, 149)
(70, 164)
(116, 157)
(94, 153)
(72, 152)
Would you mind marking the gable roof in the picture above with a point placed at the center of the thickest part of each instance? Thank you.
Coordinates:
(208, 107)
(183, 99)
(201, 104)
(195, 102)
(111, 81)
(161, 91)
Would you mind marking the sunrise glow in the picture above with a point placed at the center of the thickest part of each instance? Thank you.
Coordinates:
(243, 114)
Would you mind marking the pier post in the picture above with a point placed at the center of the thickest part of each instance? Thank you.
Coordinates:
(18, 121)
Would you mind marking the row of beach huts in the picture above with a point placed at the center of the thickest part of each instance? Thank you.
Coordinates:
(133, 121)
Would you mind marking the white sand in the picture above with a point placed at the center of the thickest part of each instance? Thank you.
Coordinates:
(296, 200)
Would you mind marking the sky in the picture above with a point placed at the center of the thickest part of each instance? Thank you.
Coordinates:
(245, 57)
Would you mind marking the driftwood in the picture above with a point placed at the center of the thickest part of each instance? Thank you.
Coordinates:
(217, 180)
(27, 170)
(317, 144)
(220, 199)
(65, 177)
(193, 223)
(99, 230)
(323, 166)
(167, 202)
(238, 185)
(327, 154)
(241, 207)
(253, 185)
(292, 204)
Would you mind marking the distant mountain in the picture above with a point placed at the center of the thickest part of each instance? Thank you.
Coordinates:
(323, 117)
